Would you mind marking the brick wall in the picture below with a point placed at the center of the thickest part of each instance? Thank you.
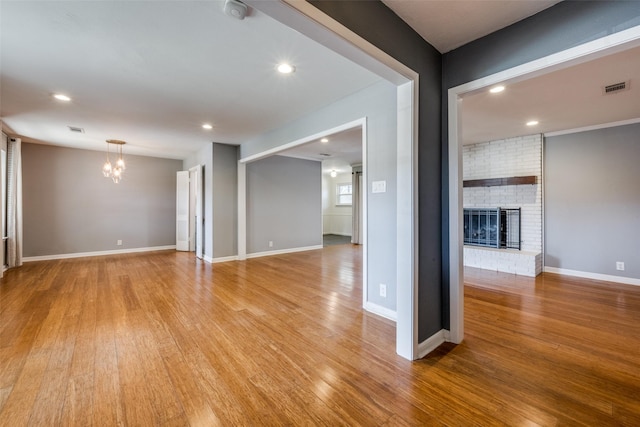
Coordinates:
(521, 156)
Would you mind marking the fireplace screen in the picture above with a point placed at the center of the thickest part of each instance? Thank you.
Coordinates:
(492, 227)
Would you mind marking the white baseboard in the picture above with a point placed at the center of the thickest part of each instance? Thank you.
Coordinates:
(381, 311)
(283, 251)
(594, 276)
(97, 253)
(223, 259)
(207, 258)
(338, 234)
(431, 343)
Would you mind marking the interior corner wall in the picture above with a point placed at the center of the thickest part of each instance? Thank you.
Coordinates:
(70, 207)
(563, 26)
(204, 158)
(284, 204)
(592, 202)
(225, 200)
(367, 19)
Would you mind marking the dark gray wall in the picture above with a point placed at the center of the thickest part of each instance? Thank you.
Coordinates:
(563, 26)
(69, 207)
(592, 201)
(225, 200)
(376, 23)
(284, 204)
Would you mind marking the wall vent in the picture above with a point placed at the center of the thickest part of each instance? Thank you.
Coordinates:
(616, 87)
(75, 129)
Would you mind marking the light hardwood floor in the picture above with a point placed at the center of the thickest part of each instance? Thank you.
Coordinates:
(164, 339)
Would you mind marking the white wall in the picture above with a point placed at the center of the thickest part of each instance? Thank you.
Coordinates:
(335, 219)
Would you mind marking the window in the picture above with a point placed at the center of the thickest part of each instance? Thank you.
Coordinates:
(343, 195)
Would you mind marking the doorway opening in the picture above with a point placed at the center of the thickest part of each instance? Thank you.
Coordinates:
(605, 46)
(189, 221)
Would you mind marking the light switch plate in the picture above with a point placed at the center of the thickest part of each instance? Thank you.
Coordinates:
(379, 187)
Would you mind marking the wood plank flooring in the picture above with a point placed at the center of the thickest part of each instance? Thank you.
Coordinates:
(164, 339)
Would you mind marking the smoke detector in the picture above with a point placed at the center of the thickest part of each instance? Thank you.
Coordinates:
(616, 87)
(235, 9)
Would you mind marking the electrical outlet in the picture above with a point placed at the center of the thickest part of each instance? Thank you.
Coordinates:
(270, 243)
(620, 265)
(119, 242)
(383, 290)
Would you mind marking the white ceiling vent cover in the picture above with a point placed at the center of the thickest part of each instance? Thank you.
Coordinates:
(616, 87)
(75, 129)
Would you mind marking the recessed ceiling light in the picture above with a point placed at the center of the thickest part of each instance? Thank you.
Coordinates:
(532, 122)
(324, 140)
(285, 68)
(207, 126)
(496, 89)
(61, 97)
(333, 173)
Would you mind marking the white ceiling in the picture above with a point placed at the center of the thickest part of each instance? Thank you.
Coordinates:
(448, 24)
(343, 150)
(567, 99)
(151, 73)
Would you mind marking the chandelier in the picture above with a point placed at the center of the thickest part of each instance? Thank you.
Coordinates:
(114, 172)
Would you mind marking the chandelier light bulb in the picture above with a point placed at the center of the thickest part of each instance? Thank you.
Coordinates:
(106, 169)
(114, 172)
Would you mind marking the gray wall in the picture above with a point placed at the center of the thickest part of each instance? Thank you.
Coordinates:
(225, 200)
(563, 26)
(378, 104)
(283, 204)
(204, 158)
(69, 207)
(592, 201)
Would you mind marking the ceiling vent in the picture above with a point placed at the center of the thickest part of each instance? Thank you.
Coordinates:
(324, 154)
(616, 87)
(75, 129)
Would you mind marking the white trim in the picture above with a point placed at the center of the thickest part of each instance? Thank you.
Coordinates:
(431, 343)
(98, 253)
(604, 46)
(595, 127)
(208, 259)
(337, 234)
(407, 224)
(242, 211)
(594, 276)
(380, 311)
(284, 251)
(224, 259)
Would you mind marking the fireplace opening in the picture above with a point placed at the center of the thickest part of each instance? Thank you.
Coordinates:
(492, 227)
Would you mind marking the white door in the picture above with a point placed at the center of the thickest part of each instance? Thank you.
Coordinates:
(182, 211)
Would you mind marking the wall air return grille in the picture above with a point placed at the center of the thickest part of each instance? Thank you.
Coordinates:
(615, 88)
